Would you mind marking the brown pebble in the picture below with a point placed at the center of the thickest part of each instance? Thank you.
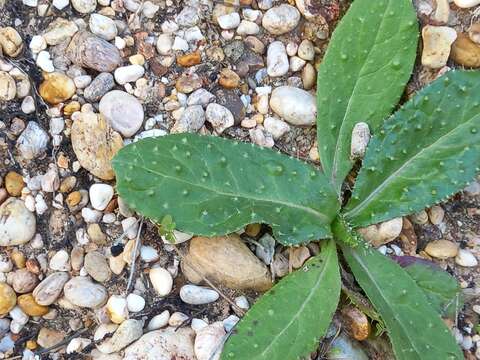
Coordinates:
(33, 266)
(71, 107)
(57, 88)
(68, 184)
(111, 206)
(14, 183)
(465, 52)
(191, 59)
(228, 79)
(73, 198)
(157, 67)
(8, 298)
(356, 322)
(31, 345)
(253, 229)
(18, 258)
(10, 41)
(30, 307)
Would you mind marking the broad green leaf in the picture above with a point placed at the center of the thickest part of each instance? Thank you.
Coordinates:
(414, 327)
(441, 289)
(289, 320)
(362, 76)
(426, 152)
(212, 186)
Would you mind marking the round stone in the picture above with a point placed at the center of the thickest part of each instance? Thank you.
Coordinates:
(281, 19)
(122, 111)
(82, 292)
(57, 88)
(30, 307)
(8, 298)
(100, 195)
(84, 6)
(18, 225)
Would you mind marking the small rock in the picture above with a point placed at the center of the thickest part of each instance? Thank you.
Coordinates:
(188, 17)
(49, 337)
(226, 260)
(56, 88)
(48, 291)
(29, 306)
(95, 143)
(161, 280)
(209, 342)
(306, 50)
(277, 59)
(60, 261)
(10, 41)
(248, 28)
(474, 33)
(100, 195)
(96, 266)
(23, 281)
(159, 321)
(465, 4)
(219, 116)
(76, 345)
(437, 42)
(261, 137)
(28, 105)
(8, 89)
(197, 295)
(188, 83)
(191, 120)
(18, 225)
(117, 309)
(135, 303)
(164, 344)
(276, 127)
(93, 52)
(103, 26)
(466, 258)
(122, 111)
(383, 233)
(14, 183)
(442, 249)
(298, 256)
(102, 84)
(465, 52)
(37, 44)
(281, 19)
(32, 142)
(229, 79)
(57, 32)
(436, 214)
(294, 105)
(129, 331)
(360, 139)
(309, 76)
(190, 59)
(130, 73)
(84, 6)
(229, 21)
(148, 253)
(82, 292)
(8, 299)
(164, 44)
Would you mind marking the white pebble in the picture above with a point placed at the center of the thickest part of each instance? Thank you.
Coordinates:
(466, 3)
(135, 302)
(277, 59)
(44, 62)
(37, 44)
(197, 295)
(229, 21)
(198, 324)
(161, 280)
(159, 321)
(129, 73)
(148, 253)
(466, 258)
(100, 195)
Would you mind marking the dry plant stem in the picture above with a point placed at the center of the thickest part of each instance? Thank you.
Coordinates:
(230, 301)
(63, 342)
(134, 256)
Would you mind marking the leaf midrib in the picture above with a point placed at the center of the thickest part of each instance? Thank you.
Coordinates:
(324, 218)
(353, 212)
(308, 298)
(347, 109)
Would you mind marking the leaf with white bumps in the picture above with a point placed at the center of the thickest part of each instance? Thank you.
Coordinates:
(362, 76)
(425, 152)
(212, 186)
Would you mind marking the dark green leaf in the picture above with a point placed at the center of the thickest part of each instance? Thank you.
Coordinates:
(289, 320)
(414, 327)
(426, 152)
(362, 76)
(213, 186)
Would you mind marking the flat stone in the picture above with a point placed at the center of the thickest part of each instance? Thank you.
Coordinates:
(437, 42)
(129, 331)
(197, 295)
(99, 86)
(96, 266)
(442, 249)
(103, 26)
(82, 292)
(49, 289)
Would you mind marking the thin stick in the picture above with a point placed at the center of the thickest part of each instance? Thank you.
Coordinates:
(134, 256)
(231, 302)
(61, 343)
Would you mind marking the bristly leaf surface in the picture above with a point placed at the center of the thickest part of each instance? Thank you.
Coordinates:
(362, 76)
(414, 327)
(212, 186)
(289, 320)
(424, 153)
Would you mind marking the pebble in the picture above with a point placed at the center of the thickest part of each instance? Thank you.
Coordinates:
(28, 305)
(10, 41)
(57, 32)
(56, 88)
(32, 142)
(14, 183)
(28, 105)
(84, 6)
(219, 116)
(360, 139)
(209, 342)
(95, 143)
(437, 42)
(306, 50)
(294, 105)
(8, 299)
(281, 19)
(466, 258)
(191, 120)
(248, 28)
(129, 73)
(148, 253)
(242, 302)
(383, 233)
(197, 295)
(122, 111)
(49, 337)
(60, 4)
(117, 309)
(60, 261)
(277, 59)
(49, 289)
(229, 21)
(129, 331)
(96, 266)
(161, 280)
(164, 44)
(100, 195)
(18, 224)
(198, 324)
(465, 4)
(442, 249)
(159, 321)
(37, 44)
(200, 97)
(82, 292)
(230, 322)
(135, 303)
(164, 344)
(465, 52)
(8, 89)
(102, 84)
(90, 51)
(276, 127)
(76, 345)
(226, 260)
(23, 281)
(82, 81)
(189, 59)
(103, 26)
(188, 17)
